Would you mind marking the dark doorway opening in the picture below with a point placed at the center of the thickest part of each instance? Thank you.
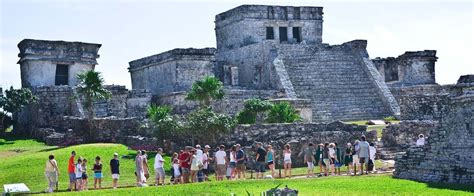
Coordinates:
(283, 34)
(297, 34)
(62, 74)
(270, 34)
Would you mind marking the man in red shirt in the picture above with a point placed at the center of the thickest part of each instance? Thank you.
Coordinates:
(184, 159)
(71, 168)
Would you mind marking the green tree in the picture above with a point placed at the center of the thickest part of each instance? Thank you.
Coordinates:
(13, 101)
(164, 124)
(205, 124)
(205, 90)
(91, 86)
(282, 112)
(254, 110)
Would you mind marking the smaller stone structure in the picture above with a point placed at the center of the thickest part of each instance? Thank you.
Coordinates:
(171, 71)
(48, 63)
(447, 156)
(410, 68)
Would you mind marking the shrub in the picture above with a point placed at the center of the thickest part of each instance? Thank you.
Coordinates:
(253, 108)
(282, 112)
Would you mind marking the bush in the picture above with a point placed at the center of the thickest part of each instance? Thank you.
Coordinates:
(389, 118)
(206, 124)
(252, 109)
(164, 124)
(282, 112)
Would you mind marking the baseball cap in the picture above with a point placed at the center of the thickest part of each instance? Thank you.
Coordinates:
(115, 154)
(207, 146)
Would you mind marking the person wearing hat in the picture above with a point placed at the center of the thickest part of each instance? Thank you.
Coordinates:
(205, 161)
(114, 170)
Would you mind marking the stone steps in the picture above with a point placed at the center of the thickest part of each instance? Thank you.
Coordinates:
(335, 82)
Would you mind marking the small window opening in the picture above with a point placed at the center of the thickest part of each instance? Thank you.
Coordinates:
(62, 74)
(270, 34)
(283, 34)
(297, 34)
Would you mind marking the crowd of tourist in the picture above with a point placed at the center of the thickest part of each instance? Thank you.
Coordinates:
(192, 164)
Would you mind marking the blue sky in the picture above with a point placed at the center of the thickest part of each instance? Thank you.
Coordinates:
(130, 30)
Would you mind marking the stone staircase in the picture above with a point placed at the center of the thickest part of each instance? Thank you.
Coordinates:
(335, 81)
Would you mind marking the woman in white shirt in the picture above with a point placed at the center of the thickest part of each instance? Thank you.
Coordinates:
(332, 157)
(233, 161)
(287, 160)
(51, 173)
(421, 140)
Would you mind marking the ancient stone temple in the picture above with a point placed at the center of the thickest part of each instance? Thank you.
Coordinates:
(276, 48)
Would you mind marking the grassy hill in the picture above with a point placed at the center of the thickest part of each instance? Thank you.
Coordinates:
(23, 160)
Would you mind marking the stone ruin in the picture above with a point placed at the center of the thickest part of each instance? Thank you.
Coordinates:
(268, 52)
(448, 154)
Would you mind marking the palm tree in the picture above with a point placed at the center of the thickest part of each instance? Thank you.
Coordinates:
(205, 90)
(91, 86)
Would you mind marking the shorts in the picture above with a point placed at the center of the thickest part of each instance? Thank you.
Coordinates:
(98, 175)
(355, 159)
(288, 161)
(241, 167)
(205, 171)
(310, 165)
(270, 162)
(333, 161)
(159, 173)
(72, 178)
(364, 160)
(260, 167)
(221, 170)
(184, 170)
(84, 176)
(78, 178)
(326, 162)
(233, 164)
(347, 160)
(115, 176)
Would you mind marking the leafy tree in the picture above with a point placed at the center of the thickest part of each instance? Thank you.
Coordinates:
(91, 86)
(282, 112)
(14, 100)
(205, 90)
(253, 109)
(206, 125)
(164, 124)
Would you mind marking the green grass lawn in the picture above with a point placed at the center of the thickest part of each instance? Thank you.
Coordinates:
(23, 160)
(378, 128)
(366, 185)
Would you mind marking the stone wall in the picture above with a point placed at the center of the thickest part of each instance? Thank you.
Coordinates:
(232, 103)
(297, 135)
(448, 156)
(171, 71)
(247, 24)
(410, 68)
(403, 135)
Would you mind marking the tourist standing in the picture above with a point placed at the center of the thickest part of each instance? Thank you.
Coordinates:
(240, 156)
(221, 161)
(146, 170)
(184, 161)
(176, 178)
(158, 166)
(79, 174)
(287, 160)
(319, 158)
(51, 172)
(332, 158)
(326, 159)
(115, 170)
(421, 140)
(84, 175)
(339, 158)
(270, 160)
(200, 156)
(233, 161)
(205, 162)
(364, 154)
(348, 158)
(139, 172)
(97, 173)
(309, 159)
(355, 156)
(372, 151)
(71, 170)
(195, 165)
(260, 160)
